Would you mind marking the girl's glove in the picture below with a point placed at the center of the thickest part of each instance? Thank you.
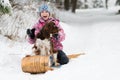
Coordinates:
(30, 33)
(56, 36)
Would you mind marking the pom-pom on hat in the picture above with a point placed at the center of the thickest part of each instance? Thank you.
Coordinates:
(44, 7)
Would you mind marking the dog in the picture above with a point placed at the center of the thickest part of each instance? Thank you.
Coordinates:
(43, 45)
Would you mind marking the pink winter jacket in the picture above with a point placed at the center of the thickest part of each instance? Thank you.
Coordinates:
(57, 43)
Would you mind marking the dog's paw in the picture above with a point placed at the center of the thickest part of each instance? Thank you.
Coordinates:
(57, 64)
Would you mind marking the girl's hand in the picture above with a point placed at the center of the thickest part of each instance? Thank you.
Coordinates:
(30, 33)
(56, 36)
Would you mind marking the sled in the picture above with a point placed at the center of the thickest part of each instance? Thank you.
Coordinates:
(74, 55)
(39, 64)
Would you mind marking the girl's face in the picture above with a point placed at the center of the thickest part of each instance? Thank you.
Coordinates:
(45, 15)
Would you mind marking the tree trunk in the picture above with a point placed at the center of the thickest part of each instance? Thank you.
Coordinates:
(74, 4)
(118, 3)
(57, 1)
(106, 4)
(72, 1)
(66, 4)
(86, 5)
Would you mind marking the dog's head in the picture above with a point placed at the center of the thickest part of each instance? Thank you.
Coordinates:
(48, 29)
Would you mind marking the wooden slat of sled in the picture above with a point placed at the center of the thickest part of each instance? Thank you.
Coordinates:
(74, 55)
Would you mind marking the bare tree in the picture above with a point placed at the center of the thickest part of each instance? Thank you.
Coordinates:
(66, 4)
(86, 6)
(97, 3)
(118, 3)
(57, 1)
(106, 4)
(74, 4)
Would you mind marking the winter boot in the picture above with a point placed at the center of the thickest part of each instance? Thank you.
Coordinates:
(62, 58)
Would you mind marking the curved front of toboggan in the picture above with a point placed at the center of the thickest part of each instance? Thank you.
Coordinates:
(35, 64)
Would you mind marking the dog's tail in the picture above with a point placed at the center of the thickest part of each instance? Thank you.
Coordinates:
(74, 55)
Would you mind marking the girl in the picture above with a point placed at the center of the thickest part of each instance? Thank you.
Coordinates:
(45, 12)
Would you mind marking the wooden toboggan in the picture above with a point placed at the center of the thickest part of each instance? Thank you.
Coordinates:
(39, 64)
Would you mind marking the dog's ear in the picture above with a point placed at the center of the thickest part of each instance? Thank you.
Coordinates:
(46, 34)
(46, 30)
(40, 35)
(45, 27)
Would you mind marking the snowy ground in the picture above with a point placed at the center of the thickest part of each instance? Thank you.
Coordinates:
(95, 32)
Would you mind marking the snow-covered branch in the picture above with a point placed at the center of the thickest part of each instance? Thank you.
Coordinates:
(14, 26)
(5, 7)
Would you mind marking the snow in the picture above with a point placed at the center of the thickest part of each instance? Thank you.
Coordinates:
(94, 31)
(5, 3)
